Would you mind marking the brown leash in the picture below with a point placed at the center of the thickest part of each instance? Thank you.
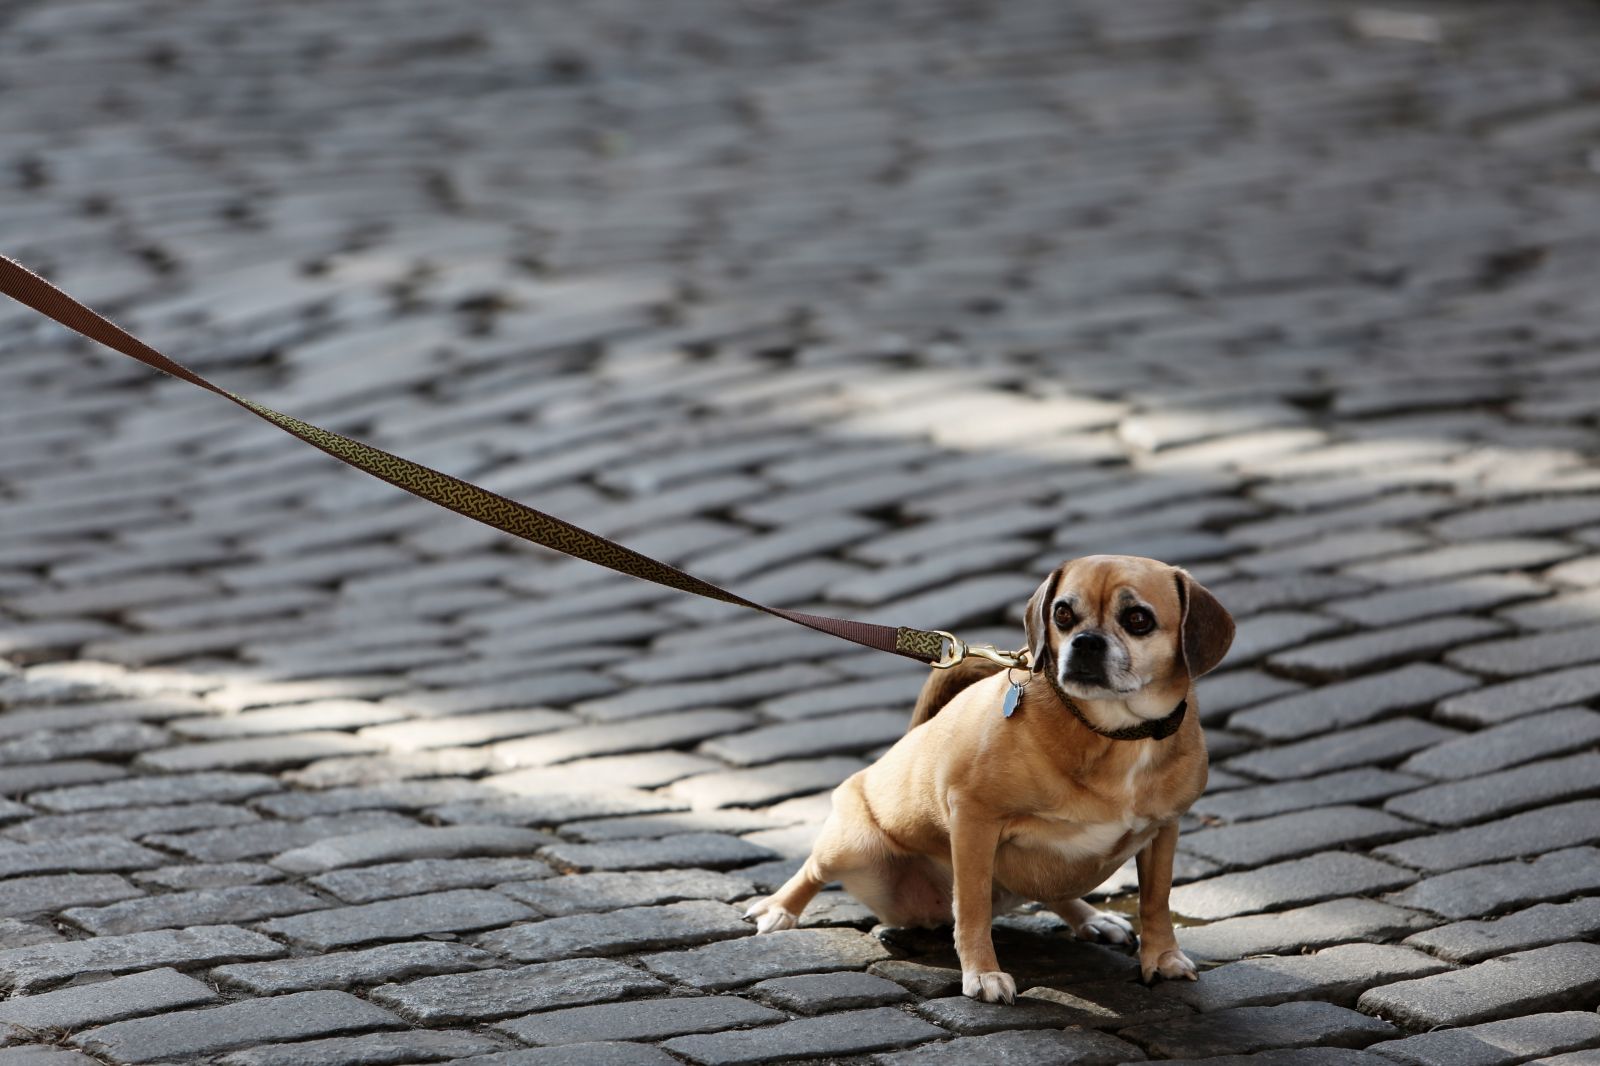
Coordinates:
(477, 503)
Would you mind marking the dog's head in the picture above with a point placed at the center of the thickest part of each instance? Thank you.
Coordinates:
(1106, 627)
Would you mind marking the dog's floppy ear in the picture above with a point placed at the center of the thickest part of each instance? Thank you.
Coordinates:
(1207, 627)
(1037, 621)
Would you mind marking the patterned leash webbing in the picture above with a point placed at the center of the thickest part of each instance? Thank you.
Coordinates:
(462, 497)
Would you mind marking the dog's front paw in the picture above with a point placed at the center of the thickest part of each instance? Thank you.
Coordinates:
(991, 986)
(770, 917)
(1172, 964)
(1103, 925)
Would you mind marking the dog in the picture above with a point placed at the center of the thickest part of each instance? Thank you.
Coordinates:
(994, 797)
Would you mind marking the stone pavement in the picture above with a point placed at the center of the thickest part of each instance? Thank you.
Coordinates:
(881, 307)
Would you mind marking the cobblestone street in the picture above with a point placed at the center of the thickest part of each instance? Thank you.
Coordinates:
(875, 309)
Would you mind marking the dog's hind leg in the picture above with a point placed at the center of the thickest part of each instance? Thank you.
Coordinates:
(844, 845)
(1089, 923)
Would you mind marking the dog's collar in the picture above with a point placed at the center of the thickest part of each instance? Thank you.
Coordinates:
(1149, 729)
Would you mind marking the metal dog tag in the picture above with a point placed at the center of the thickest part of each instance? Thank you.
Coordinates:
(1009, 704)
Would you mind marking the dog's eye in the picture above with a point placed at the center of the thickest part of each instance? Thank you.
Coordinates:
(1064, 616)
(1138, 621)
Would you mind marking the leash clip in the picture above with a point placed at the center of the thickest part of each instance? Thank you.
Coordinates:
(960, 649)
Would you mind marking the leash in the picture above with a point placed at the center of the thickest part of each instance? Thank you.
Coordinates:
(479, 504)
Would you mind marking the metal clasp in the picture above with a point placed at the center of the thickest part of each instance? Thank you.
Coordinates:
(960, 649)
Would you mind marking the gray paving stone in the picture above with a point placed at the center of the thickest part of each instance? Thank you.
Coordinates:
(1382, 742)
(586, 893)
(1535, 736)
(1477, 798)
(267, 838)
(1481, 890)
(490, 994)
(739, 688)
(29, 969)
(653, 826)
(1543, 979)
(1477, 592)
(1286, 836)
(1538, 926)
(1339, 974)
(817, 736)
(969, 1017)
(1530, 833)
(457, 911)
(218, 875)
(213, 906)
(795, 951)
(1498, 1043)
(815, 701)
(144, 791)
(850, 1033)
(255, 753)
(1313, 879)
(30, 896)
(467, 729)
(1510, 553)
(134, 822)
(1254, 1029)
(1556, 612)
(555, 808)
(394, 795)
(20, 780)
(600, 1053)
(628, 930)
(1331, 550)
(319, 714)
(1285, 932)
(767, 784)
(88, 854)
(708, 850)
(639, 770)
(1344, 656)
(109, 740)
(195, 1032)
(374, 1049)
(655, 732)
(371, 883)
(1533, 653)
(1494, 704)
(1222, 694)
(1260, 635)
(1342, 786)
(347, 969)
(40, 1055)
(820, 993)
(1039, 1048)
(651, 1019)
(388, 845)
(105, 1001)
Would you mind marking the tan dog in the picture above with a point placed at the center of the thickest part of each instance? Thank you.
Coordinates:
(972, 810)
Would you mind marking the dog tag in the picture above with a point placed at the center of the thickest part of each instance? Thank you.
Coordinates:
(1009, 704)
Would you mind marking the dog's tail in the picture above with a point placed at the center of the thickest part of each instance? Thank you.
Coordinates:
(942, 685)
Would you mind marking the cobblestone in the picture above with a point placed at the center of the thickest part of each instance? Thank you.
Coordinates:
(490, 994)
(1525, 982)
(850, 1033)
(852, 307)
(1496, 1043)
(27, 969)
(1247, 1029)
(77, 1007)
(1480, 890)
(187, 1033)
(795, 951)
(654, 1019)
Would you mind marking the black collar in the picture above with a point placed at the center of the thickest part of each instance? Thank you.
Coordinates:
(1149, 729)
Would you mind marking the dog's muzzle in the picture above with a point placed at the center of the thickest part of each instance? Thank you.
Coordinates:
(1086, 659)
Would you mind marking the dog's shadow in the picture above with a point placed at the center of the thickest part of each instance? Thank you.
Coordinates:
(1034, 946)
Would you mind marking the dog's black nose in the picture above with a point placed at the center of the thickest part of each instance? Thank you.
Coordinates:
(1089, 644)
